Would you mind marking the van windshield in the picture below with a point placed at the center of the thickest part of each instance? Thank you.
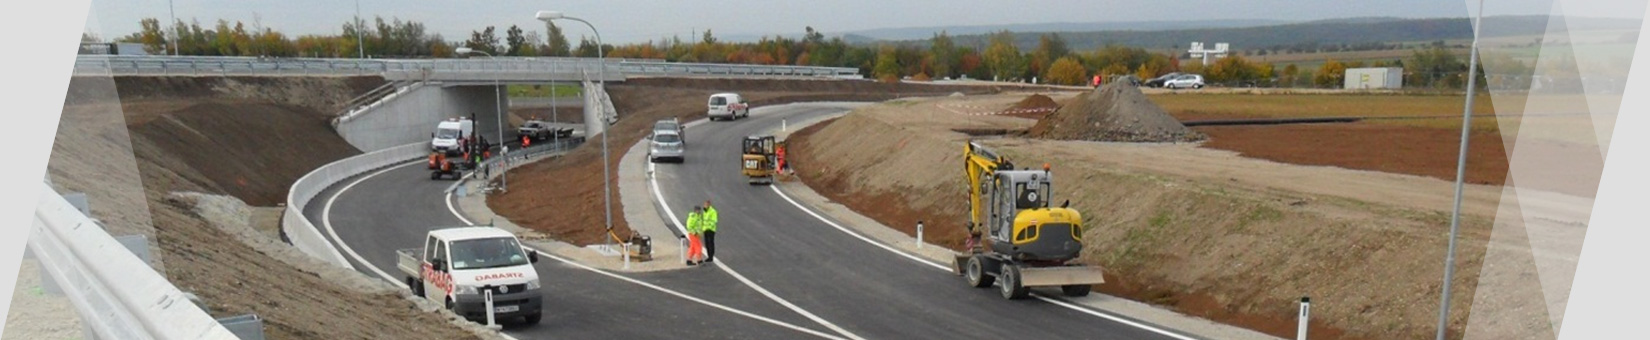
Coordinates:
(718, 101)
(446, 133)
(487, 253)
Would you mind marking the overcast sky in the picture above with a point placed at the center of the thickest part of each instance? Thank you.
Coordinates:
(627, 21)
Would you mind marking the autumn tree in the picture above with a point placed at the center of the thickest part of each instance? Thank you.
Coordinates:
(887, 66)
(557, 45)
(1331, 74)
(1067, 71)
(944, 52)
(1003, 58)
(484, 40)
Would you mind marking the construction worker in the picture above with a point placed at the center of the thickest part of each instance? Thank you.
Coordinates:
(707, 227)
(695, 251)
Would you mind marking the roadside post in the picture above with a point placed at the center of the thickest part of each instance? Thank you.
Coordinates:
(487, 294)
(919, 234)
(1306, 310)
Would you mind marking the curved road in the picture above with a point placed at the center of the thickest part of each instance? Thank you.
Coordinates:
(781, 272)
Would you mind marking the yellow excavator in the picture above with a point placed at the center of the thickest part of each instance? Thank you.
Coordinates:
(1017, 239)
(758, 159)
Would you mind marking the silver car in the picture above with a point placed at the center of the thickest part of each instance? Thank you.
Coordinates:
(666, 145)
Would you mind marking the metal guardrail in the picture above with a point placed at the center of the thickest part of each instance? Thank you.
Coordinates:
(116, 294)
(302, 233)
(200, 65)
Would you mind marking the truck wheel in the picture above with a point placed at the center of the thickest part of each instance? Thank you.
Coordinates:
(1011, 287)
(975, 273)
(416, 287)
(532, 319)
(1076, 290)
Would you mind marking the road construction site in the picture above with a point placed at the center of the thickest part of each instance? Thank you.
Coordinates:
(1187, 228)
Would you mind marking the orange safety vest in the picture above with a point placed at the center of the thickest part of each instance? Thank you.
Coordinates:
(525, 141)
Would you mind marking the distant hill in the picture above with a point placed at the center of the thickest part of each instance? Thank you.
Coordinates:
(914, 33)
(1350, 31)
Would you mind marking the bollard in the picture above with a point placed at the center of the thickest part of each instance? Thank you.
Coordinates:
(1306, 310)
(683, 242)
(487, 294)
(782, 125)
(919, 234)
(625, 247)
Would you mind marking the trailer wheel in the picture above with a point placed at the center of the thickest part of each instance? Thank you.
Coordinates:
(1011, 287)
(1076, 290)
(975, 273)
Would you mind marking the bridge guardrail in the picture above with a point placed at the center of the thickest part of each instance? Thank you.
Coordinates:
(116, 294)
(206, 65)
(302, 233)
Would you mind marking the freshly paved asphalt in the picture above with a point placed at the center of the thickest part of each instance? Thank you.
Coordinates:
(865, 290)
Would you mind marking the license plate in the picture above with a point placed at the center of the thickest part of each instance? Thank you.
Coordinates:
(506, 309)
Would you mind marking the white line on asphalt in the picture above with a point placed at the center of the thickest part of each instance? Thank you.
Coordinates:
(449, 198)
(1056, 302)
(326, 220)
(771, 296)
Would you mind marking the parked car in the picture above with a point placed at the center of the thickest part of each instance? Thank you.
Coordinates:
(1158, 82)
(1185, 81)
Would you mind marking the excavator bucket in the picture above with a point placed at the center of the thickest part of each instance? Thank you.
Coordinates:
(1061, 276)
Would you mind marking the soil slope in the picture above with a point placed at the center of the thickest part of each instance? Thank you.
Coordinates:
(1200, 231)
(224, 136)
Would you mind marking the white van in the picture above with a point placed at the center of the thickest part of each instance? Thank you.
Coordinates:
(449, 134)
(458, 265)
(728, 106)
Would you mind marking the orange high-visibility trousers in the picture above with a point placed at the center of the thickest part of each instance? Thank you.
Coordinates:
(696, 248)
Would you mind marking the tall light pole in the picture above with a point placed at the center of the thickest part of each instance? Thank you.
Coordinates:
(173, 12)
(361, 45)
(1460, 174)
(498, 109)
(607, 179)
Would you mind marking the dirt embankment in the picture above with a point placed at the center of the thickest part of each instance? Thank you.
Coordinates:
(1239, 250)
(238, 136)
(563, 197)
(1113, 113)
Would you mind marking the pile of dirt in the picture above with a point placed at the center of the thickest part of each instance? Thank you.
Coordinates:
(1035, 106)
(1113, 113)
(194, 135)
(1235, 247)
(562, 197)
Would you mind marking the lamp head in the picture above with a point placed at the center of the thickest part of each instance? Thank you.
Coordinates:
(549, 15)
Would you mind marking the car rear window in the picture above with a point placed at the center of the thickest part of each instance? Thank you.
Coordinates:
(667, 138)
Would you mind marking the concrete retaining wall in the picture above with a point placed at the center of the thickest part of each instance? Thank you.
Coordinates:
(410, 116)
(302, 233)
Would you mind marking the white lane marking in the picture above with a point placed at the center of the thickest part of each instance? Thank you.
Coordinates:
(449, 198)
(948, 269)
(771, 296)
(326, 220)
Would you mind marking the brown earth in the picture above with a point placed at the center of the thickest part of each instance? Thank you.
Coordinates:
(1201, 231)
(1035, 106)
(226, 136)
(1113, 113)
(1367, 146)
(562, 197)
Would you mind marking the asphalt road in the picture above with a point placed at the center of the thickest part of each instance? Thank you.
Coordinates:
(866, 290)
(393, 209)
(819, 281)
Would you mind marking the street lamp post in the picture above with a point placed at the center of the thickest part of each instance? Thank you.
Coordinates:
(607, 179)
(498, 109)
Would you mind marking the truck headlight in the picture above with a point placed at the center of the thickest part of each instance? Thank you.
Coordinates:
(534, 284)
(462, 289)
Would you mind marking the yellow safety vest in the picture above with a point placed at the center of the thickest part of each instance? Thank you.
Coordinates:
(708, 220)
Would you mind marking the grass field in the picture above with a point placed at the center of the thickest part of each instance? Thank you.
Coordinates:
(543, 91)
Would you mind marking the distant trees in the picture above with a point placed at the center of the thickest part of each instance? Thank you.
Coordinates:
(1067, 71)
(1331, 74)
(1003, 58)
